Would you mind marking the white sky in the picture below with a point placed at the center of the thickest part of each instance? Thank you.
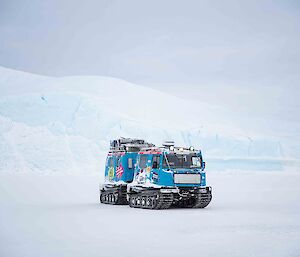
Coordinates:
(225, 52)
(209, 42)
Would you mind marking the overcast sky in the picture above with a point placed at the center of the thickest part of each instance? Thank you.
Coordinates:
(212, 42)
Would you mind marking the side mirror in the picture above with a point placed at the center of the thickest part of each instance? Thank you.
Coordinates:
(203, 165)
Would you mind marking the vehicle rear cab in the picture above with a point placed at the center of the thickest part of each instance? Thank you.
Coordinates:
(119, 167)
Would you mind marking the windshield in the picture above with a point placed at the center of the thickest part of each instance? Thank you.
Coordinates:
(177, 161)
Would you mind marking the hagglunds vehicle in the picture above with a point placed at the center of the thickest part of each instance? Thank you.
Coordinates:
(153, 177)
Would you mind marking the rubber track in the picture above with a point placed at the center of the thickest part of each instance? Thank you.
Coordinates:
(202, 200)
(115, 196)
(157, 200)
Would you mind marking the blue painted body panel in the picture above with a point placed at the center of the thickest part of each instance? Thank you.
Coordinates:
(115, 161)
(162, 176)
(117, 169)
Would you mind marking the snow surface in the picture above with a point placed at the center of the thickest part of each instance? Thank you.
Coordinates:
(65, 125)
(251, 214)
(54, 135)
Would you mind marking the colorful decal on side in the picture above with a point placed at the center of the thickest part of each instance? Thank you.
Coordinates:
(119, 171)
(111, 173)
(155, 176)
(148, 169)
(141, 176)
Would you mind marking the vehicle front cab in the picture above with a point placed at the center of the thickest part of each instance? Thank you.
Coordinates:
(175, 167)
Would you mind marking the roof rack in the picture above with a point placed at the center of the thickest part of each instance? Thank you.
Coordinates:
(171, 146)
(128, 144)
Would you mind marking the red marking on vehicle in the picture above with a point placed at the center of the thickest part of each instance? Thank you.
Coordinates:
(119, 171)
(116, 154)
(150, 152)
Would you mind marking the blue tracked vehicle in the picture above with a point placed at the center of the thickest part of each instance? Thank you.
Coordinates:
(169, 175)
(144, 176)
(119, 169)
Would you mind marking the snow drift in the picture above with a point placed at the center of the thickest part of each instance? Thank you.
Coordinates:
(65, 124)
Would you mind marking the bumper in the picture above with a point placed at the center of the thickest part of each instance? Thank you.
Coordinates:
(177, 190)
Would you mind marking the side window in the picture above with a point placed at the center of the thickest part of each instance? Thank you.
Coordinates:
(196, 161)
(130, 163)
(111, 162)
(156, 162)
(143, 161)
